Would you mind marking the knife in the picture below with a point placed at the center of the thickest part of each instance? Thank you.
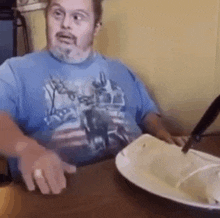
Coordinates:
(206, 120)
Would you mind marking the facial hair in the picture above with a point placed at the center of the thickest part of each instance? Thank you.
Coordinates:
(68, 51)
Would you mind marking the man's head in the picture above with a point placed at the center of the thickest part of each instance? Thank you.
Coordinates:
(71, 27)
(97, 7)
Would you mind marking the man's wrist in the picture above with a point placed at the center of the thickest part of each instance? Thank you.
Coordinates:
(162, 133)
(28, 146)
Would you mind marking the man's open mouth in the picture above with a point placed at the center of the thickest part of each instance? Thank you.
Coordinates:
(66, 38)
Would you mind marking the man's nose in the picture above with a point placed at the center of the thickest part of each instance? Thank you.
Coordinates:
(67, 22)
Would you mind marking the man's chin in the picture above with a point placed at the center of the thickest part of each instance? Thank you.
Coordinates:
(69, 54)
(66, 41)
(64, 45)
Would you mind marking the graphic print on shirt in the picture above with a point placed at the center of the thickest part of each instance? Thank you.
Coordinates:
(87, 113)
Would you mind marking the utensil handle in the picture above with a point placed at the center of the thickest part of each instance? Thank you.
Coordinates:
(209, 116)
(207, 119)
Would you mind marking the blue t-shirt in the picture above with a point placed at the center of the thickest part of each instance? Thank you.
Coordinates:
(51, 100)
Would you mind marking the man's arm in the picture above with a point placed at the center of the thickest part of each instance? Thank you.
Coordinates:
(13, 141)
(32, 157)
(153, 125)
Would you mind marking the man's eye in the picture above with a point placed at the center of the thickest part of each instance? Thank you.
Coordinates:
(58, 14)
(77, 17)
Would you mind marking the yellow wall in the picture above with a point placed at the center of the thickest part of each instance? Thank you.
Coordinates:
(36, 31)
(171, 44)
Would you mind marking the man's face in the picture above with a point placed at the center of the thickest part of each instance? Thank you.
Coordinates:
(71, 29)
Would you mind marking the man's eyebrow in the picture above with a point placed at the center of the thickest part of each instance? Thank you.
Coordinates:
(56, 5)
(82, 11)
(78, 10)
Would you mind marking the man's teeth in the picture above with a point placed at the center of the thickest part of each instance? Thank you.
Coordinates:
(68, 37)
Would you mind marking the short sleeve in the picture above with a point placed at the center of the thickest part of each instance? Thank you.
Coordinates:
(8, 90)
(146, 103)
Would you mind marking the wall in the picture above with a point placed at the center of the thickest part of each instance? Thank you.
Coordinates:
(172, 45)
(36, 31)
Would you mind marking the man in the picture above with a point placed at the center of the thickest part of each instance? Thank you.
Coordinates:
(70, 106)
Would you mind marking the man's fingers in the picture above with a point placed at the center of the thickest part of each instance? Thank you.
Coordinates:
(185, 138)
(52, 181)
(62, 180)
(181, 140)
(29, 181)
(68, 167)
(169, 140)
(178, 140)
(42, 184)
(59, 176)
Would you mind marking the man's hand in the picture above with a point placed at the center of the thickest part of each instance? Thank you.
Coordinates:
(42, 167)
(167, 137)
(154, 126)
(39, 166)
(180, 140)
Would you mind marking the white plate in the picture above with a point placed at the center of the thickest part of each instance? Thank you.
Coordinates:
(133, 165)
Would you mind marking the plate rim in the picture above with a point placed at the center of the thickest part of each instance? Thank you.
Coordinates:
(120, 156)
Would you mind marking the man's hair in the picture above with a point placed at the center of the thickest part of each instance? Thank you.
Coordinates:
(97, 7)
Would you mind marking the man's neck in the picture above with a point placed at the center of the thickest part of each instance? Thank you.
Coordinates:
(66, 56)
(72, 61)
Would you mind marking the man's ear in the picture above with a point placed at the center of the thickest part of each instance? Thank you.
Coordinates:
(97, 28)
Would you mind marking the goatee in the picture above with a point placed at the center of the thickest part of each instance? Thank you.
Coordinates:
(65, 55)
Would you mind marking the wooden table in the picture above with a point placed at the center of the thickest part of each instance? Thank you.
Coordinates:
(99, 191)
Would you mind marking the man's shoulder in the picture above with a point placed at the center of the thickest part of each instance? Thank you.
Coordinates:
(112, 61)
(116, 65)
(29, 59)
